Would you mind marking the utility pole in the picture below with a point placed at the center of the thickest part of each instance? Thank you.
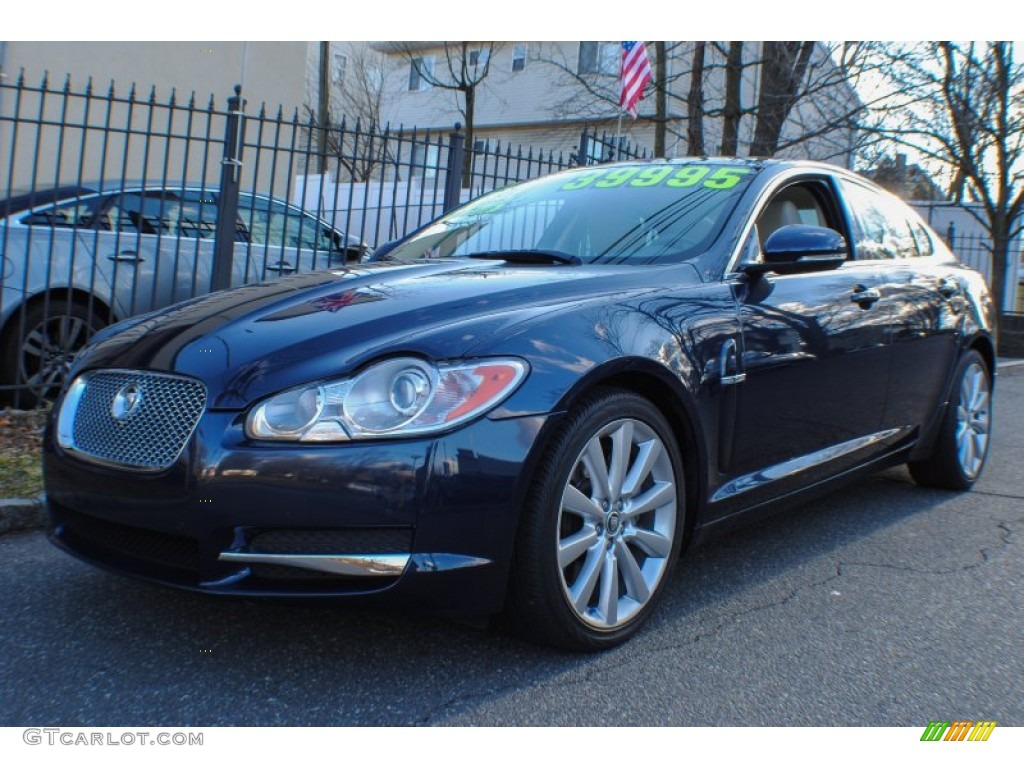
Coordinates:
(324, 108)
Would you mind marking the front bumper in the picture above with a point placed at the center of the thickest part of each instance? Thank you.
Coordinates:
(427, 524)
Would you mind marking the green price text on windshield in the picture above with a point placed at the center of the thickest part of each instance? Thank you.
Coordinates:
(711, 177)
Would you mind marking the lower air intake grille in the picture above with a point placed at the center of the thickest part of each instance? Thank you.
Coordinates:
(178, 552)
(352, 541)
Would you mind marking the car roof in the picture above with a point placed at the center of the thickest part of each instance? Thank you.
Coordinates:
(28, 200)
(24, 201)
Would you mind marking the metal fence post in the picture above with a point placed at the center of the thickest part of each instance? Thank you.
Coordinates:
(227, 207)
(584, 147)
(453, 177)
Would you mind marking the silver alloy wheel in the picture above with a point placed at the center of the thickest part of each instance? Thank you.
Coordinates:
(973, 419)
(47, 353)
(616, 523)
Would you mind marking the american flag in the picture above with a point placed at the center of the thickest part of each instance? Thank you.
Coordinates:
(635, 74)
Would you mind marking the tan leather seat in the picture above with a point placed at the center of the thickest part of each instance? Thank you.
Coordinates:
(779, 213)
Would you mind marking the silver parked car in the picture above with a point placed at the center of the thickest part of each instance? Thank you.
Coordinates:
(75, 259)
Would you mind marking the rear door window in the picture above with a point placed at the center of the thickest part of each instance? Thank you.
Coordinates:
(80, 214)
(880, 223)
(271, 222)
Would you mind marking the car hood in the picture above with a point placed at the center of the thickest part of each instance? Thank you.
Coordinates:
(259, 339)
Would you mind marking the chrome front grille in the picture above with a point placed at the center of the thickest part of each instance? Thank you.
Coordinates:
(134, 419)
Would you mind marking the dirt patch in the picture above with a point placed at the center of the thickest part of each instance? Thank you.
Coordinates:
(21, 438)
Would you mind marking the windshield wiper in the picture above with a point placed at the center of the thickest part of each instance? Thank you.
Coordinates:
(533, 256)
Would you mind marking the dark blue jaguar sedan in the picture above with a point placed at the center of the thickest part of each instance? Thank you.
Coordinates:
(531, 406)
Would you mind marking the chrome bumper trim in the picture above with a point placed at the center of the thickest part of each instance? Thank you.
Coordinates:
(343, 565)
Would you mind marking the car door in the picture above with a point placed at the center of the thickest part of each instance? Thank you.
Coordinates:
(151, 247)
(51, 248)
(284, 240)
(926, 300)
(813, 360)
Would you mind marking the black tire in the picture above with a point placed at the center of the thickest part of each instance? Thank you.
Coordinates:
(37, 351)
(570, 542)
(959, 453)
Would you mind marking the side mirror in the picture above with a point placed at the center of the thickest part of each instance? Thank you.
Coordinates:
(797, 248)
(380, 254)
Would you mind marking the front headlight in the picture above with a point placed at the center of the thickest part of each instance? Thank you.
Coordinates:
(394, 398)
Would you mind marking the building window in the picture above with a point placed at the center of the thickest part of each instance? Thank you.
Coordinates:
(479, 58)
(519, 57)
(598, 59)
(421, 71)
(340, 65)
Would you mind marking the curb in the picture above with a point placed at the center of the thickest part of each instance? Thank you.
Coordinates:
(22, 514)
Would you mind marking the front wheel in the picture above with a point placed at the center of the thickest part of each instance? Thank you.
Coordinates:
(602, 528)
(962, 445)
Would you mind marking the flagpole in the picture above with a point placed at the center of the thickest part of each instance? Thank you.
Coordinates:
(618, 138)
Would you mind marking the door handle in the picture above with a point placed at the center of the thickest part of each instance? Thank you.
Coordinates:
(864, 296)
(728, 362)
(126, 257)
(281, 266)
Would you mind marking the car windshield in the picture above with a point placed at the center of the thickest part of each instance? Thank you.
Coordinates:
(634, 214)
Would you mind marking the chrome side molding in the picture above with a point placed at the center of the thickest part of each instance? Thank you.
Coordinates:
(801, 463)
(343, 565)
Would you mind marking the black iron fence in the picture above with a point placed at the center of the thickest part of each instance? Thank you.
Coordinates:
(113, 204)
(975, 250)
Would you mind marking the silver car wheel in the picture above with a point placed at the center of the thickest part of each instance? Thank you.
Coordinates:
(616, 524)
(973, 419)
(48, 350)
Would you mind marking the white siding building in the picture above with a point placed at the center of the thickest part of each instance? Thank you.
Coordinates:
(533, 97)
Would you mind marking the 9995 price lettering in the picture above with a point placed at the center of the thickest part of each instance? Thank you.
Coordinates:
(709, 176)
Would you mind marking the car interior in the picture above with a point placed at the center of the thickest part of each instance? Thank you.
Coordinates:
(793, 205)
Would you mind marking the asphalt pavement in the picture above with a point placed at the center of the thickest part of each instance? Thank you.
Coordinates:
(883, 604)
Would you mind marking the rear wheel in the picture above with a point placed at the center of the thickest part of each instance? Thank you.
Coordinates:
(602, 528)
(958, 456)
(37, 352)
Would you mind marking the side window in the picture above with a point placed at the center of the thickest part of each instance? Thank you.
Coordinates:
(796, 204)
(148, 213)
(197, 215)
(271, 222)
(76, 213)
(880, 223)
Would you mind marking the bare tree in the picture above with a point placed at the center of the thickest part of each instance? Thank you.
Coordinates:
(594, 96)
(363, 92)
(783, 71)
(695, 104)
(802, 94)
(733, 109)
(352, 135)
(660, 97)
(463, 68)
(962, 106)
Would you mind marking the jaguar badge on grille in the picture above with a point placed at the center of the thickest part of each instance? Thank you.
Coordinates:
(126, 401)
